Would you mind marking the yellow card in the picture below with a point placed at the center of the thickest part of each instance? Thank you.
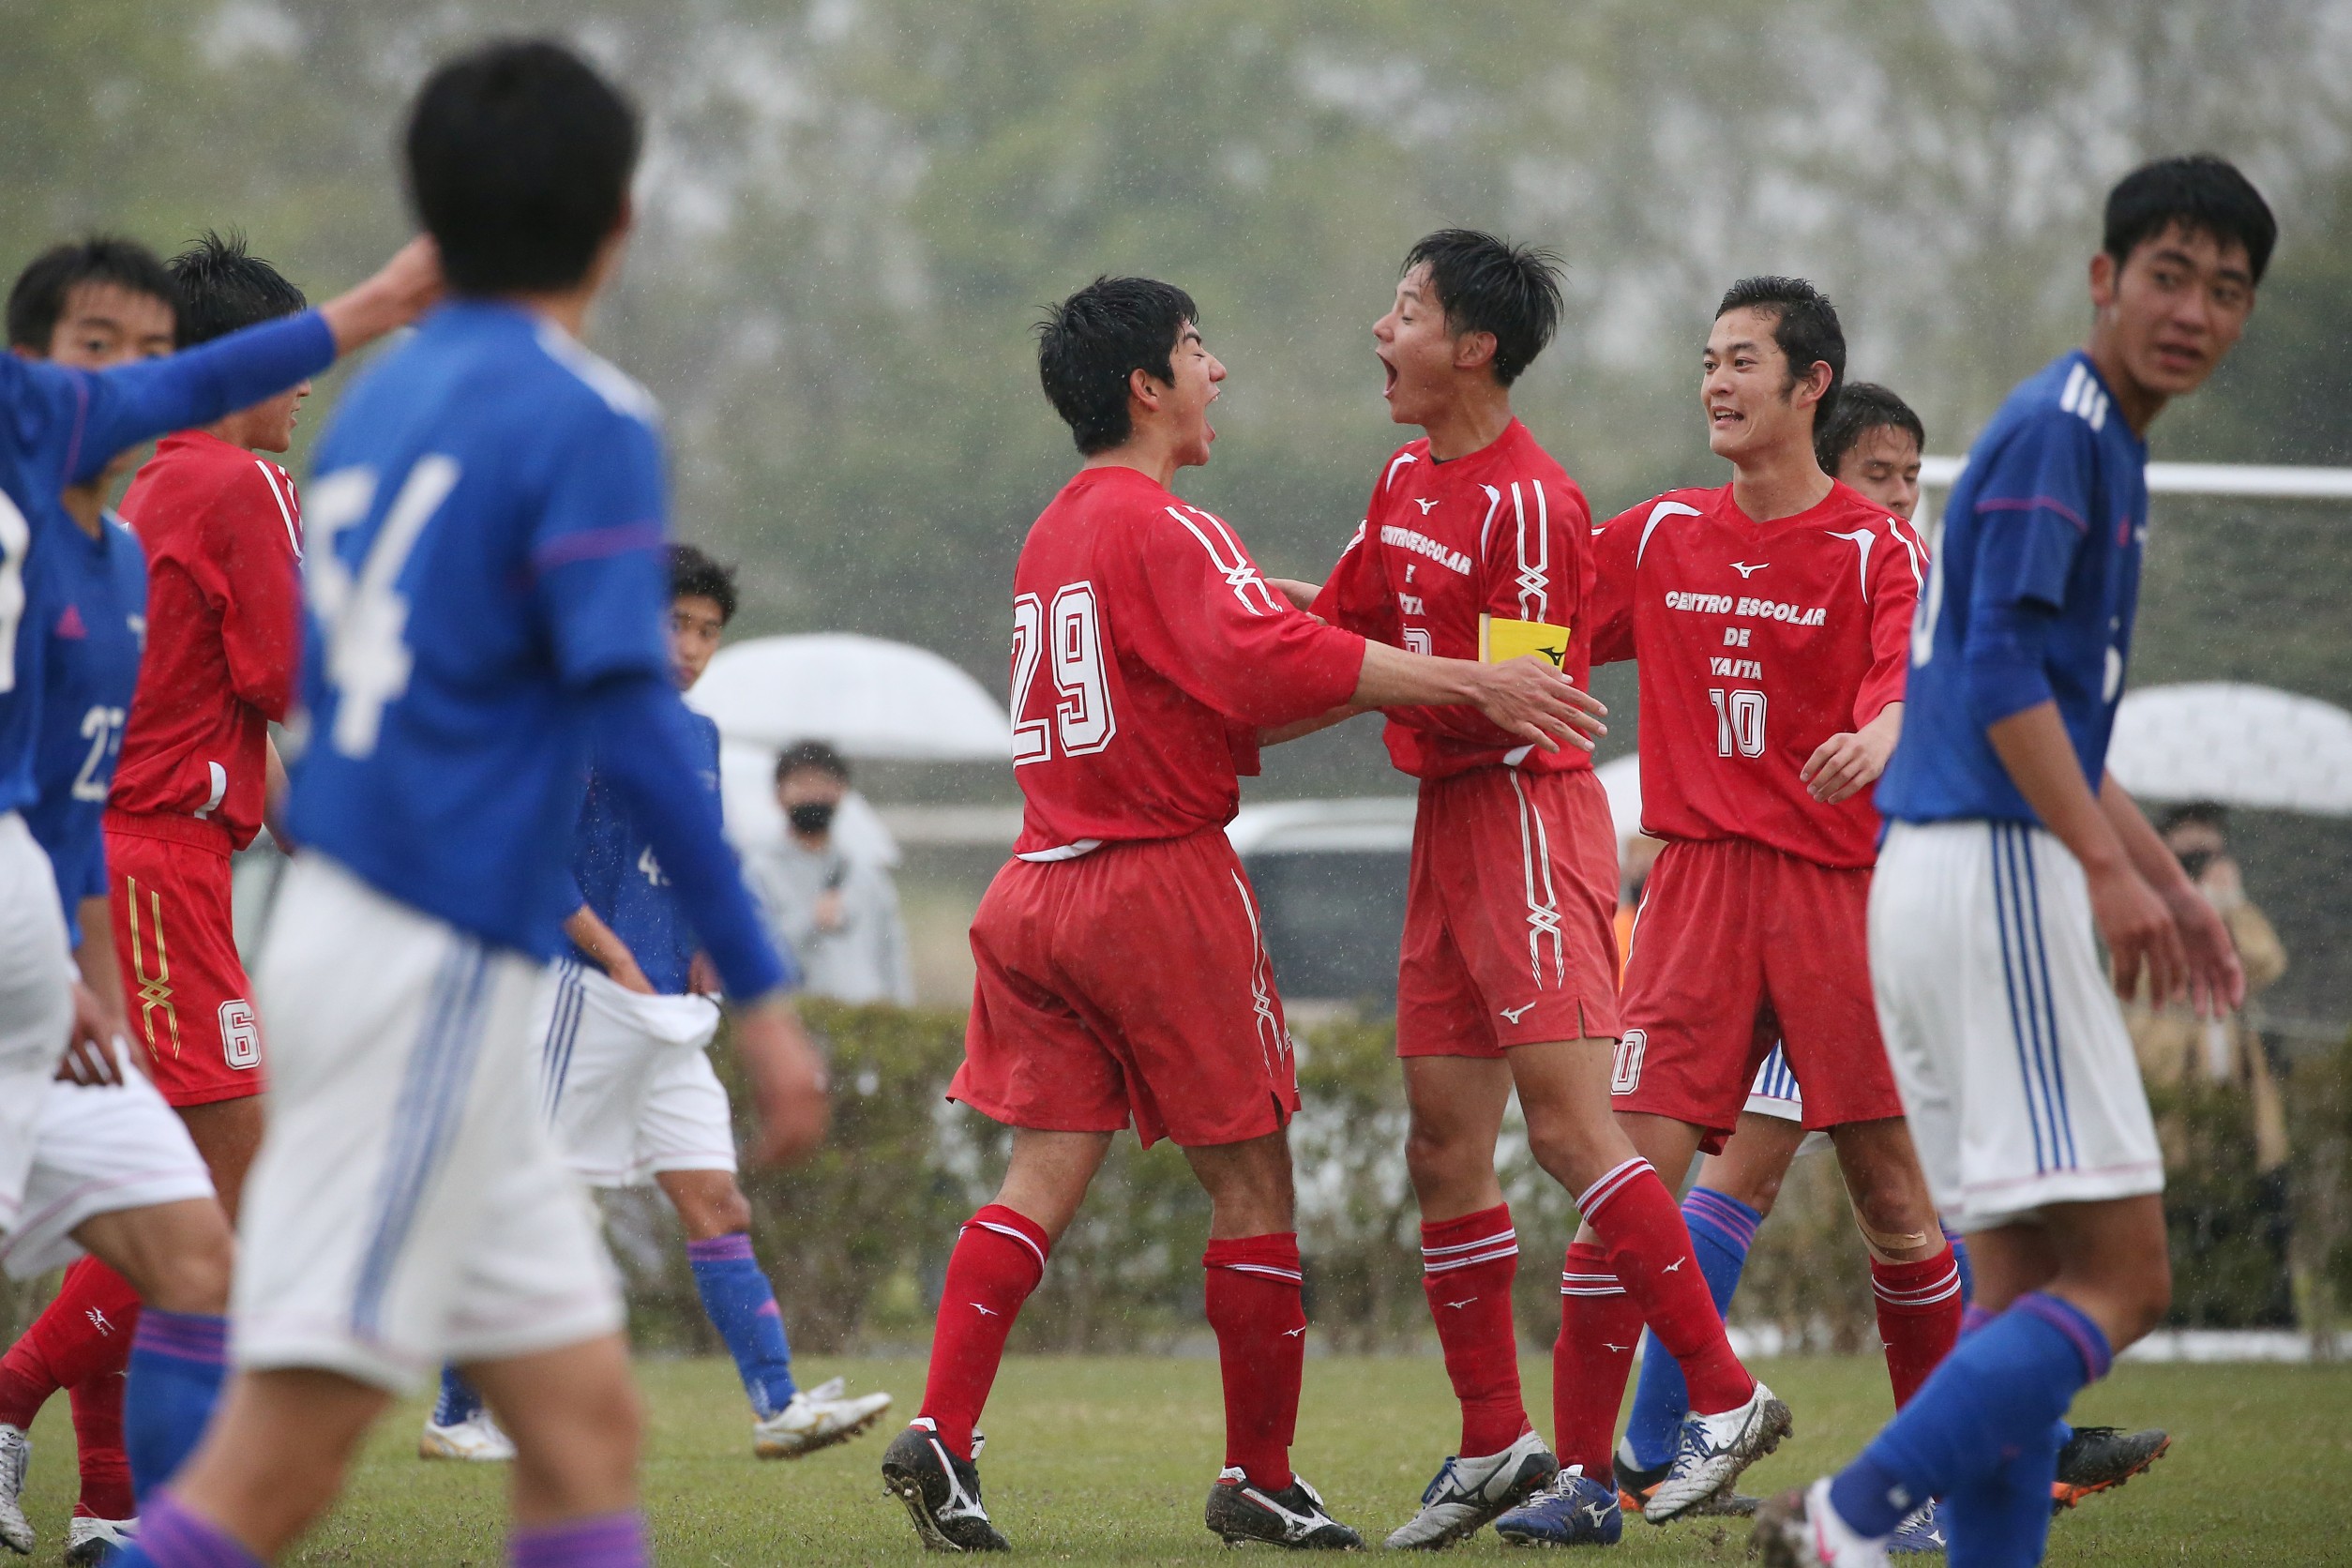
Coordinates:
(1499, 639)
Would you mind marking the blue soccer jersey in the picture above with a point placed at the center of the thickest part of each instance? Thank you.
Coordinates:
(484, 568)
(60, 426)
(2030, 598)
(96, 624)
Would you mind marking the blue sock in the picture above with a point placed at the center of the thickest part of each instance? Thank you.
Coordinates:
(2003, 1519)
(459, 1402)
(742, 1305)
(177, 1362)
(1997, 1395)
(171, 1535)
(1960, 1258)
(1722, 1230)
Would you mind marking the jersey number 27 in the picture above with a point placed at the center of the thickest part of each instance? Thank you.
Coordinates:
(1067, 638)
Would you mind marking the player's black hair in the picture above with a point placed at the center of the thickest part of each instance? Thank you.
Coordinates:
(37, 300)
(2200, 192)
(1089, 343)
(694, 574)
(518, 162)
(2195, 813)
(224, 287)
(1804, 324)
(1862, 406)
(1486, 284)
(813, 755)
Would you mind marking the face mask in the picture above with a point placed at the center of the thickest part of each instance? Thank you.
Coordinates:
(811, 817)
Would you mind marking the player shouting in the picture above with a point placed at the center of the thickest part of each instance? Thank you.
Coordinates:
(486, 591)
(1122, 978)
(2010, 848)
(625, 1078)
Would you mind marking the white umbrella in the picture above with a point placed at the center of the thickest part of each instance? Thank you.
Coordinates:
(2240, 745)
(865, 695)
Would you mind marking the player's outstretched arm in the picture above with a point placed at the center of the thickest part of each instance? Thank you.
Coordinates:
(403, 288)
(2217, 978)
(788, 1080)
(1844, 765)
(1526, 697)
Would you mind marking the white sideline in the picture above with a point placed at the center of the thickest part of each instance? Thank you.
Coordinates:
(2275, 482)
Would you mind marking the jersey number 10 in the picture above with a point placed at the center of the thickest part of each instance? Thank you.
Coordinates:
(1739, 721)
(1067, 637)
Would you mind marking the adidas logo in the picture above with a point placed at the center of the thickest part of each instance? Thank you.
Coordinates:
(70, 624)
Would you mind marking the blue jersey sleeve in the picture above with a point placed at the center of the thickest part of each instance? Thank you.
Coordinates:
(100, 413)
(596, 556)
(2032, 511)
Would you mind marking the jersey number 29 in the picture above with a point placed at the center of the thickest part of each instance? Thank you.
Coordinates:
(1068, 637)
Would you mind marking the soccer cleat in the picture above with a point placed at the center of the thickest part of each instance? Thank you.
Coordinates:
(1470, 1494)
(16, 1449)
(477, 1439)
(91, 1540)
(1800, 1530)
(1634, 1485)
(1922, 1532)
(2097, 1458)
(1239, 1514)
(1715, 1449)
(1574, 1511)
(816, 1418)
(940, 1491)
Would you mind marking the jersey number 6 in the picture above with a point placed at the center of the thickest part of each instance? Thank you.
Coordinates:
(1071, 633)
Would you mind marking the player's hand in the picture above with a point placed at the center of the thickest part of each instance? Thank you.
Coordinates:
(1300, 593)
(2141, 935)
(828, 914)
(787, 1082)
(625, 971)
(702, 975)
(2217, 982)
(90, 1059)
(1845, 764)
(403, 288)
(1529, 697)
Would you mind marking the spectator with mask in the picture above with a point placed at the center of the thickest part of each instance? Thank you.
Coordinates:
(840, 914)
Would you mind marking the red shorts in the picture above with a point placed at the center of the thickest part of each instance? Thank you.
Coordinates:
(1128, 985)
(1510, 914)
(184, 986)
(1736, 945)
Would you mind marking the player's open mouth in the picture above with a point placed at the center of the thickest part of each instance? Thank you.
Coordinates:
(1388, 387)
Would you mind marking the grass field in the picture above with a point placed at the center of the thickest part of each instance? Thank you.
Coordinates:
(1108, 1460)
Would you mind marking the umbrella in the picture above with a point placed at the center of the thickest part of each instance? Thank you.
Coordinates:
(2240, 745)
(867, 696)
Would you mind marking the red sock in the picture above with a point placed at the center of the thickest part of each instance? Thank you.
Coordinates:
(84, 1333)
(1599, 1326)
(999, 1258)
(1260, 1323)
(1650, 1251)
(1918, 1316)
(1467, 1266)
(98, 1432)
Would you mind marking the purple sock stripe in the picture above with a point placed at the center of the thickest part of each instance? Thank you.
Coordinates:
(170, 1533)
(720, 1249)
(608, 1540)
(2089, 1339)
(1729, 1215)
(189, 1335)
(1972, 1318)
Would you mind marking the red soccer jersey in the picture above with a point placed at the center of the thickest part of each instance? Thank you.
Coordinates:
(1504, 532)
(223, 535)
(1147, 654)
(1758, 641)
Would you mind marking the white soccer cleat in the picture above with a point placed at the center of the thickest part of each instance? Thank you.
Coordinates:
(16, 1450)
(1470, 1494)
(1714, 1449)
(816, 1418)
(476, 1439)
(92, 1541)
(1800, 1530)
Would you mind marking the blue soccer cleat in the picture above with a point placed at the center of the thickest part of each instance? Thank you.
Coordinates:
(1922, 1532)
(1574, 1511)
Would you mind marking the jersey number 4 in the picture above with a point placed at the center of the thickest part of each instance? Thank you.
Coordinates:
(1068, 637)
(366, 616)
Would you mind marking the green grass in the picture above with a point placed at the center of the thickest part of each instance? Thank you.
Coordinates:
(1108, 1460)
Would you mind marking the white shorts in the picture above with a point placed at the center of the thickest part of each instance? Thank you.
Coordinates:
(35, 1003)
(625, 1078)
(408, 1206)
(99, 1151)
(1775, 1094)
(2017, 1073)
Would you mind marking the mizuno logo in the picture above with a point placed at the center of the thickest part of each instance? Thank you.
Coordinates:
(1606, 1346)
(1675, 1265)
(1458, 1305)
(1597, 1514)
(98, 1321)
(1293, 1334)
(984, 1312)
(1515, 1014)
(1747, 571)
(1425, 506)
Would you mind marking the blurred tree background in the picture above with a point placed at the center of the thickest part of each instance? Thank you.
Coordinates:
(851, 211)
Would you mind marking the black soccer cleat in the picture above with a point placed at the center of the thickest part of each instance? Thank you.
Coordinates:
(2097, 1458)
(940, 1491)
(1239, 1514)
